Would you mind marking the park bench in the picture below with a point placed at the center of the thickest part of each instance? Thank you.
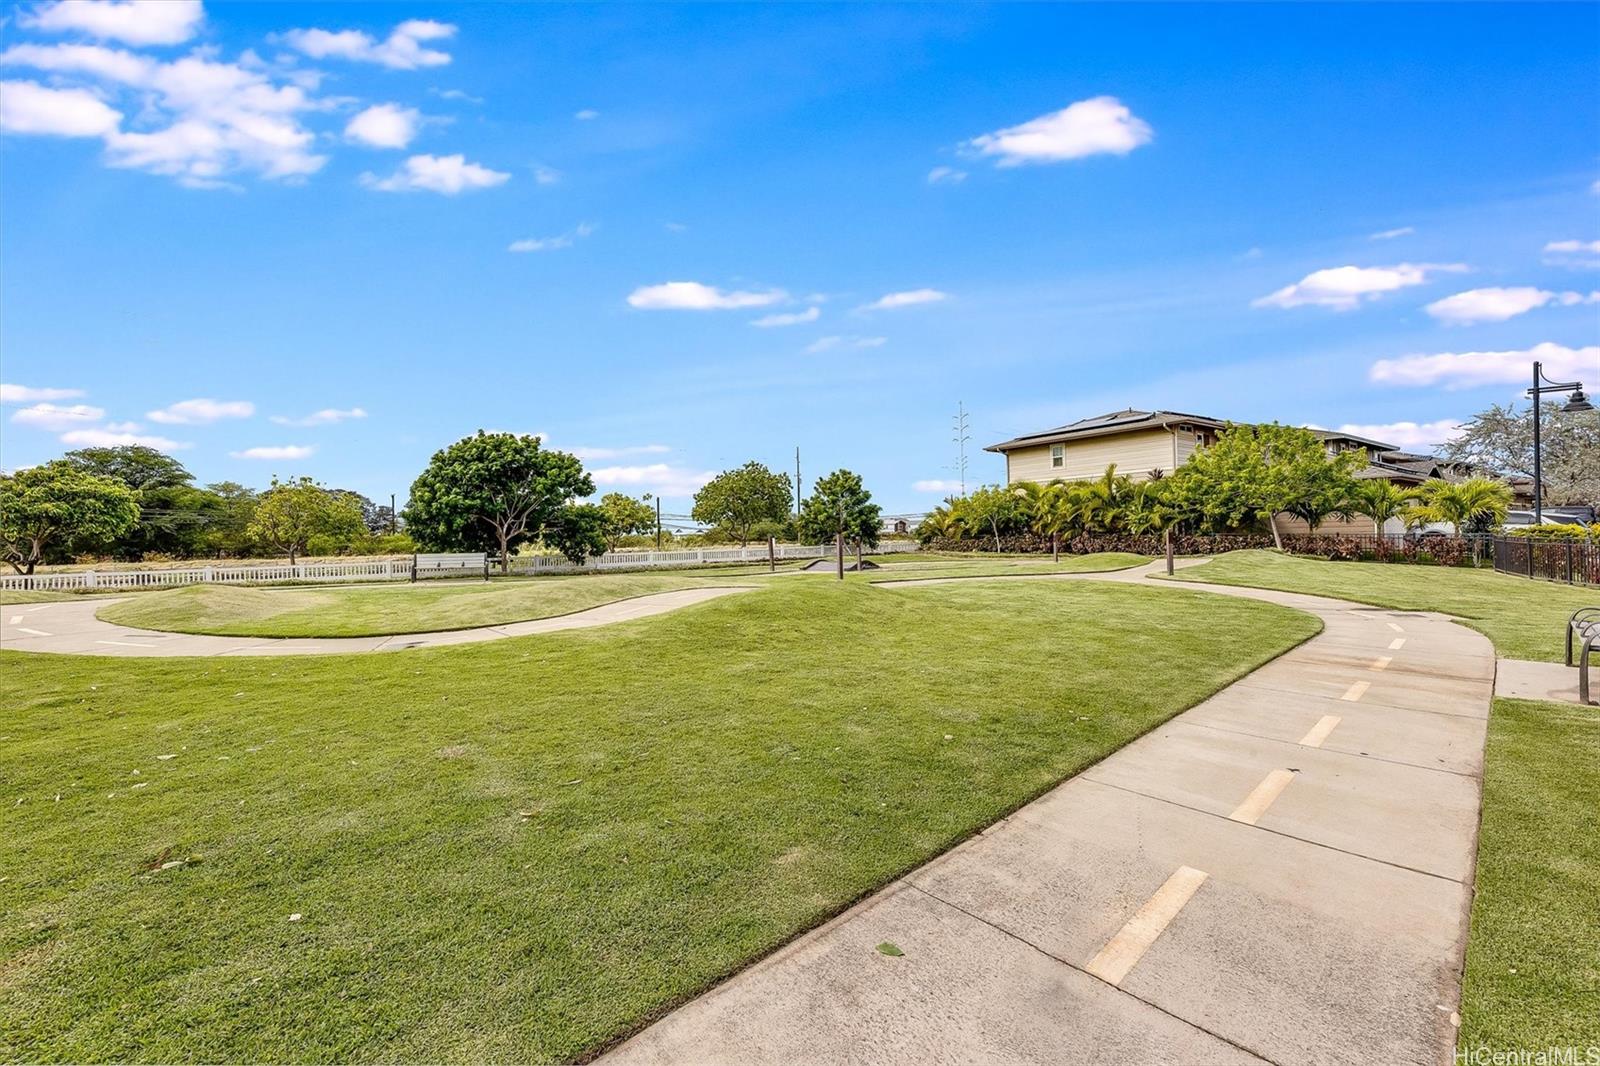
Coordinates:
(450, 564)
(1584, 629)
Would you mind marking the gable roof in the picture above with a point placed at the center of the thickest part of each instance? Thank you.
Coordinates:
(1106, 425)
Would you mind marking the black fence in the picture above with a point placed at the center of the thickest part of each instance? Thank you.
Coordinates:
(1576, 562)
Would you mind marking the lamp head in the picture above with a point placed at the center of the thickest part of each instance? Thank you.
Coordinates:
(1578, 403)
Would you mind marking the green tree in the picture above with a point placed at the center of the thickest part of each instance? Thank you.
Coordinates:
(56, 503)
(228, 533)
(624, 516)
(290, 513)
(994, 510)
(1380, 501)
(1475, 505)
(1500, 440)
(135, 465)
(737, 500)
(1254, 473)
(493, 492)
(577, 531)
(1101, 501)
(1056, 514)
(839, 503)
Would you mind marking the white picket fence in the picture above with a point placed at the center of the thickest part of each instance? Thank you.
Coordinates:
(400, 569)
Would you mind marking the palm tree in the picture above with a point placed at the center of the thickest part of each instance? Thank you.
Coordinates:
(1150, 509)
(1055, 513)
(1103, 499)
(1474, 503)
(1380, 501)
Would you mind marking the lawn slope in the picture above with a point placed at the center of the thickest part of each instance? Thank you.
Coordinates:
(518, 851)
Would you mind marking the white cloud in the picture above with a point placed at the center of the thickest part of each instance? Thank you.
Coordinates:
(1465, 370)
(136, 22)
(106, 438)
(444, 174)
(895, 300)
(28, 107)
(1581, 254)
(328, 416)
(384, 126)
(1102, 125)
(545, 175)
(401, 50)
(276, 451)
(28, 394)
(946, 176)
(1407, 435)
(693, 296)
(588, 114)
(124, 427)
(663, 479)
(1391, 234)
(54, 416)
(456, 94)
(1343, 288)
(828, 344)
(936, 485)
(551, 244)
(1497, 305)
(597, 454)
(218, 117)
(201, 412)
(796, 318)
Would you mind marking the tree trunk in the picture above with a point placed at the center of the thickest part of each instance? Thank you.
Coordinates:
(1055, 547)
(291, 555)
(1277, 538)
(996, 527)
(505, 552)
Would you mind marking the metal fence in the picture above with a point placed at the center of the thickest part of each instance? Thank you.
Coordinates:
(1575, 562)
(400, 569)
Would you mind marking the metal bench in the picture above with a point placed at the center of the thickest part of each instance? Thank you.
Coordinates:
(1584, 629)
(450, 564)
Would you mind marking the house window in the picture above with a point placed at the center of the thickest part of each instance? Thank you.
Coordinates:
(1058, 456)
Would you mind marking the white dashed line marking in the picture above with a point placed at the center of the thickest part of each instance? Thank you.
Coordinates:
(1397, 643)
(1394, 627)
(1123, 951)
(15, 620)
(1381, 662)
(35, 632)
(1319, 732)
(1356, 691)
(1255, 805)
(124, 644)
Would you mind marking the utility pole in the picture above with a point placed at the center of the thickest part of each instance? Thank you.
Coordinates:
(658, 523)
(962, 436)
(393, 518)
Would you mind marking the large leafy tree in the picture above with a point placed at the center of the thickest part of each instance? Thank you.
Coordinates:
(56, 503)
(228, 531)
(493, 492)
(135, 465)
(840, 503)
(740, 499)
(1254, 473)
(1501, 440)
(290, 513)
(623, 516)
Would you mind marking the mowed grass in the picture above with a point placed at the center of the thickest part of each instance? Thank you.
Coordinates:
(522, 850)
(1525, 619)
(1533, 958)
(912, 568)
(380, 610)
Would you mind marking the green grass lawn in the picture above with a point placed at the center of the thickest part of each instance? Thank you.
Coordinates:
(1524, 618)
(1533, 959)
(384, 609)
(991, 566)
(522, 850)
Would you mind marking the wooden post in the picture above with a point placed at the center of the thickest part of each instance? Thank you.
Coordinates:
(772, 553)
(1168, 536)
(858, 554)
(839, 543)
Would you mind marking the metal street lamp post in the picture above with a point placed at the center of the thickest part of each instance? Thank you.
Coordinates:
(1576, 403)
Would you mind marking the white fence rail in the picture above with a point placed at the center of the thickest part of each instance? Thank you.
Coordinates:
(400, 569)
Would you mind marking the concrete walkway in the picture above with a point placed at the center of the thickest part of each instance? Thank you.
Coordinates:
(70, 627)
(1280, 874)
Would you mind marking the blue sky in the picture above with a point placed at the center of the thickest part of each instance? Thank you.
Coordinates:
(230, 228)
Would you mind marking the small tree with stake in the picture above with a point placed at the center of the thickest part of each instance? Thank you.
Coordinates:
(841, 508)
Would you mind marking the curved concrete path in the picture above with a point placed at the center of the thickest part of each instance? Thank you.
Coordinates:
(1281, 874)
(70, 627)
